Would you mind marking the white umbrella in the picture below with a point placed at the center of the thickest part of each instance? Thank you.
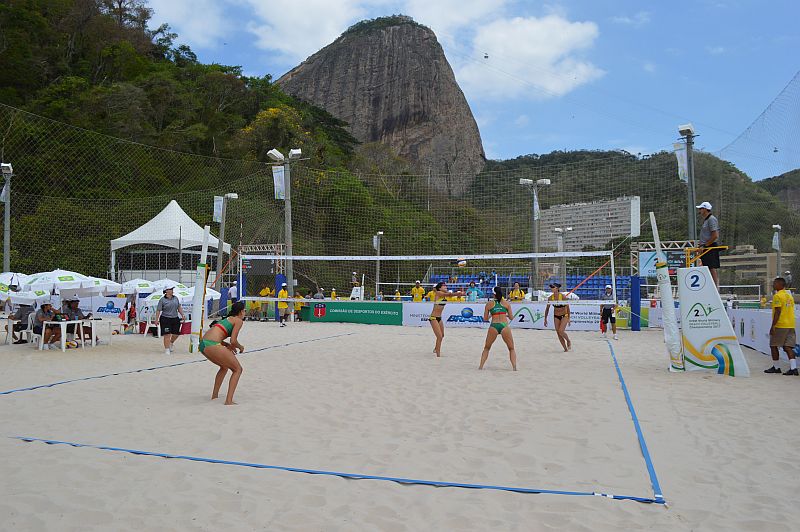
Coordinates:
(106, 286)
(161, 284)
(13, 278)
(184, 295)
(56, 279)
(137, 286)
(30, 297)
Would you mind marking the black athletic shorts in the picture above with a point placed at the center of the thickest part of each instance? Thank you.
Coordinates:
(170, 325)
(711, 258)
(607, 315)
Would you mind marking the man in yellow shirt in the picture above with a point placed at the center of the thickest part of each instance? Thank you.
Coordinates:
(283, 306)
(516, 295)
(265, 292)
(782, 334)
(429, 295)
(297, 306)
(333, 293)
(417, 293)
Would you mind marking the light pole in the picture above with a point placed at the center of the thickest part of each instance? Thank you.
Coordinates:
(687, 133)
(535, 215)
(776, 244)
(376, 243)
(561, 234)
(277, 156)
(221, 242)
(8, 171)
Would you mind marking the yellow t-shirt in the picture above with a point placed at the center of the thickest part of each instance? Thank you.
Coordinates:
(299, 304)
(784, 300)
(516, 295)
(333, 294)
(265, 292)
(283, 294)
(417, 293)
(429, 295)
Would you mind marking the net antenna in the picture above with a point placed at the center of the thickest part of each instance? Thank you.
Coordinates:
(672, 335)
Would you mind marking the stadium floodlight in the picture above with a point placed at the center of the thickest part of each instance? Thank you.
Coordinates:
(295, 153)
(276, 155)
(686, 130)
(232, 195)
(777, 227)
(526, 182)
(542, 182)
(6, 169)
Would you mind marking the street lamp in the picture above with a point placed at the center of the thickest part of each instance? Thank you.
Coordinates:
(277, 156)
(561, 234)
(686, 131)
(776, 245)
(221, 242)
(376, 243)
(535, 215)
(8, 171)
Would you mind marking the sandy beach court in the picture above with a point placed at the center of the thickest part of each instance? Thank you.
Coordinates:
(373, 400)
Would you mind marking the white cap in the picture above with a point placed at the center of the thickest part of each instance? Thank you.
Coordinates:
(609, 286)
(284, 284)
(169, 287)
(416, 282)
(236, 282)
(354, 273)
(704, 205)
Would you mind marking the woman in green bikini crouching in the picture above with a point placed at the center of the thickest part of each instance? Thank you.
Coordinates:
(222, 353)
(500, 309)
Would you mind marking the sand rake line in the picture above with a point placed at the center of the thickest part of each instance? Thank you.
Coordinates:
(350, 476)
(657, 493)
(59, 383)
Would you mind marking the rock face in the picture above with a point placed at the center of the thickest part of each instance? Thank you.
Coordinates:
(389, 79)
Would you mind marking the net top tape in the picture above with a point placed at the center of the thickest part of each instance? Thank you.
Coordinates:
(497, 256)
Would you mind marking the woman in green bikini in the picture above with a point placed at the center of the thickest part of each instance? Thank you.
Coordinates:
(500, 309)
(222, 353)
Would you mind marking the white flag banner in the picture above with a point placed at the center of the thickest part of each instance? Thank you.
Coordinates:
(683, 163)
(709, 341)
(4, 194)
(536, 213)
(277, 179)
(218, 209)
(776, 241)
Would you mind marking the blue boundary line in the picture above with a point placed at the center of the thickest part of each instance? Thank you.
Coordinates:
(657, 493)
(50, 385)
(352, 476)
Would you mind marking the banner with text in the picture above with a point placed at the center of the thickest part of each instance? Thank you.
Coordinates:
(357, 312)
(584, 317)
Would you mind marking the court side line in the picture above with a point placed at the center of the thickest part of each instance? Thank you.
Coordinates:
(353, 476)
(52, 384)
(657, 494)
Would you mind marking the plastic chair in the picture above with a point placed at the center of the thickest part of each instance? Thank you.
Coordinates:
(29, 331)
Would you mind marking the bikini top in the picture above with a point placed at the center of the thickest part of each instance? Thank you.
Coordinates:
(498, 308)
(225, 325)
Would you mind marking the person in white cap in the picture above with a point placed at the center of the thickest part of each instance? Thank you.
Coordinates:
(607, 311)
(354, 280)
(283, 306)
(169, 315)
(709, 236)
(417, 293)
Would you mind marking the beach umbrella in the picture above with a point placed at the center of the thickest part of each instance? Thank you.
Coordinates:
(12, 278)
(106, 286)
(30, 297)
(161, 284)
(56, 279)
(184, 295)
(138, 286)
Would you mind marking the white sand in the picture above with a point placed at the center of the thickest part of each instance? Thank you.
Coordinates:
(378, 402)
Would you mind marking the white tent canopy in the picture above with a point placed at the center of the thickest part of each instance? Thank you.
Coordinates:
(172, 228)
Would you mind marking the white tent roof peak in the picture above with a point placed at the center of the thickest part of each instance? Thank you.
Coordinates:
(172, 228)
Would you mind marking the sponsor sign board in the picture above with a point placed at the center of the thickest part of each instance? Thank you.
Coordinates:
(358, 312)
(526, 315)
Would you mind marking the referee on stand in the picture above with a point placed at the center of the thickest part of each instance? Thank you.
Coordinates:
(709, 237)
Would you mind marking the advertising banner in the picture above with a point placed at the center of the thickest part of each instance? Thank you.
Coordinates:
(647, 262)
(584, 317)
(706, 332)
(278, 182)
(358, 312)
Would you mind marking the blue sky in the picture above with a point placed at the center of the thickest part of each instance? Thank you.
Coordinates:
(576, 74)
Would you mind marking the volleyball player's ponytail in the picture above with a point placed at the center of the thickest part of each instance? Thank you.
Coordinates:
(498, 293)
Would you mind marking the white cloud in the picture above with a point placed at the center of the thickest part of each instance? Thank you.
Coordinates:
(530, 57)
(715, 50)
(198, 23)
(637, 21)
(447, 17)
(649, 67)
(298, 29)
(522, 121)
